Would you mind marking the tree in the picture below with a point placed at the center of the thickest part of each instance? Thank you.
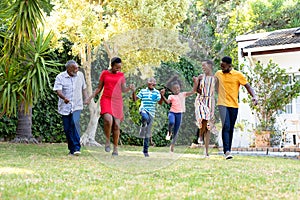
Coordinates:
(207, 27)
(119, 25)
(276, 89)
(213, 25)
(25, 62)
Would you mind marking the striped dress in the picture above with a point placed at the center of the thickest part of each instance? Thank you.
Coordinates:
(205, 102)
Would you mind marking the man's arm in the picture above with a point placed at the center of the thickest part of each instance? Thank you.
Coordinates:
(85, 94)
(60, 94)
(252, 93)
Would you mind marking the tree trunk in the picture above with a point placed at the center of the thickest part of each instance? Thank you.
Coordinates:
(88, 138)
(24, 133)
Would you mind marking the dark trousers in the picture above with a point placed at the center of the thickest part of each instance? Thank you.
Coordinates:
(228, 117)
(174, 124)
(145, 132)
(71, 125)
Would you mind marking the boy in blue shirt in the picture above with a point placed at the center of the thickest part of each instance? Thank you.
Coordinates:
(149, 98)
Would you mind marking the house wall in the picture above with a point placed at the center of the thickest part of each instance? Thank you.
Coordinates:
(287, 60)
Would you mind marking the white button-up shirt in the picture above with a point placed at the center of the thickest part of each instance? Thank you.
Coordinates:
(72, 88)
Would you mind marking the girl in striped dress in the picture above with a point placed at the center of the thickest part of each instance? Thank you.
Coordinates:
(205, 103)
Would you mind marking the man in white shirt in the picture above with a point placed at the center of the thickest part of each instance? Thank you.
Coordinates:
(70, 86)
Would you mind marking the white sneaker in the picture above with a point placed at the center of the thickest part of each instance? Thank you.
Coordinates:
(228, 155)
(168, 136)
(77, 153)
(200, 141)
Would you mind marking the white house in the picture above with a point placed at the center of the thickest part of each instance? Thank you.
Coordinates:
(283, 47)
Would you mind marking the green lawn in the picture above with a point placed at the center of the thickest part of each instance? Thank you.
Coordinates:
(45, 172)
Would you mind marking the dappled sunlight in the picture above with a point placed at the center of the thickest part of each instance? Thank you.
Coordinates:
(14, 170)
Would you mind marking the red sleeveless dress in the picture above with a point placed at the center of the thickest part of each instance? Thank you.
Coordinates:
(111, 100)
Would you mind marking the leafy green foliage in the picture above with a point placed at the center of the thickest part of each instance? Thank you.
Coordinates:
(275, 14)
(24, 18)
(8, 126)
(213, 25)
(25, 77)
(25, 62)
(46, 121)
(275, 89)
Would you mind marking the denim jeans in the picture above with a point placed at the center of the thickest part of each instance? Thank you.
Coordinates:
(174, 124)
(145, 131)
(71, 125)
(228, 117)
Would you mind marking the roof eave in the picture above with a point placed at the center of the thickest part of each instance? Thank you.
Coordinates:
(271, 49)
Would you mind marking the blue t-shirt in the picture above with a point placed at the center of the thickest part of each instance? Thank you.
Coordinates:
(149, 98)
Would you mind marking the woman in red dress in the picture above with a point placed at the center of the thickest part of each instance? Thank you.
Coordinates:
(113, 83)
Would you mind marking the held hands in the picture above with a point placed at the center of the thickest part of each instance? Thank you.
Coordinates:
(195, 79)
(87, 101)
(132, 87)
(255, 100)
(162, 92)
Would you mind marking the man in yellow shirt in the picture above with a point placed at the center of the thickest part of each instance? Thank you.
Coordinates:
(228, 84)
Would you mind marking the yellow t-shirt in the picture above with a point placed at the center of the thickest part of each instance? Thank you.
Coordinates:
(229, 84)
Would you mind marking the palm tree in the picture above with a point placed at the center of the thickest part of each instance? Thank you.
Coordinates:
(26, 62)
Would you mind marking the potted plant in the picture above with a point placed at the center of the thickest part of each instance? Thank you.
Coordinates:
(275, 89)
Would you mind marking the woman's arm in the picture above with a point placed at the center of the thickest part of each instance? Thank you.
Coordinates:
(216, 85)
(95, 93)
(195, 85)
(127, 89)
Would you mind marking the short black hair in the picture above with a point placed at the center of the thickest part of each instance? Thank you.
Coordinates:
(115, 60)
(227, 59)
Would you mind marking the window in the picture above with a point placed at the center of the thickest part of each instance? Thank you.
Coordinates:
(289, 108)
(298, 105)
(294, 106)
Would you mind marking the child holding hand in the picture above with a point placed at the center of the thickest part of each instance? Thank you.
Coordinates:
(177, 101)
(149, 98)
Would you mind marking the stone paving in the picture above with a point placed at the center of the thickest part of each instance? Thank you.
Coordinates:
(268, 151)
(291, 152)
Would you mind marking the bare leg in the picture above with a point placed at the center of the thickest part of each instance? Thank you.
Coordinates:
(172, 148)
(108, 121)
(202, 130)
(206, 140)
(116, 133)
(205, 135)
